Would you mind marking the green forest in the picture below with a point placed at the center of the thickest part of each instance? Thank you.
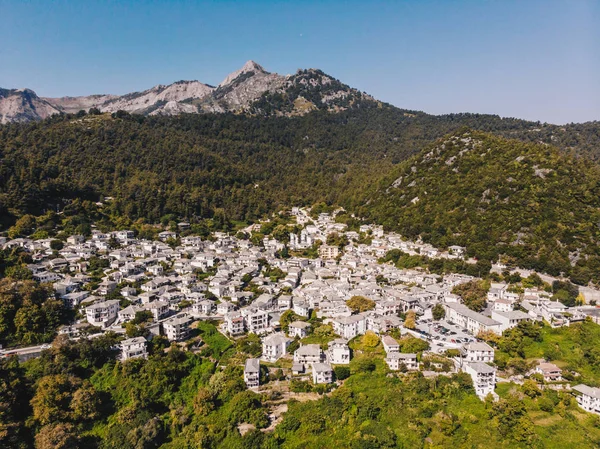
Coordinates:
(244, 166)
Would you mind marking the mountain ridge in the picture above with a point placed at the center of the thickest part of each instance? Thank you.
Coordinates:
(237, 93)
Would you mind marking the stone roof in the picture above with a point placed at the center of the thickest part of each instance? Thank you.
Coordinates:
(252, 366)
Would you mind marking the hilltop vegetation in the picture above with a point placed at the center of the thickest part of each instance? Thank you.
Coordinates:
(240, 166)
(529, 204)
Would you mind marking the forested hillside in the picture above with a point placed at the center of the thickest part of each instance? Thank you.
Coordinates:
(199, 165)
(529, 203)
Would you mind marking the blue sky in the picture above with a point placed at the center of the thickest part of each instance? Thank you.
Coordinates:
(538, 60)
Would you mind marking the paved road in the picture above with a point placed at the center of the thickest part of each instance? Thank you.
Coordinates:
(29, 352)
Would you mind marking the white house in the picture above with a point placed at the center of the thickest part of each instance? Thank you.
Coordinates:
(322, 373)
(496, 292)
(339, 352)
(106, 287)
(177, 328)
(234, 323)
(301, 307)
(472, 321)
(328, 252)
(588, 398)
(390, 344)
(102, 314)
(274, 347)
(395, 359)
(351, 326)
(204, 307)
(478, 352)
(133, 348)
(257, 320)
(380, 324)
(510, 319)
(75, 239)
(159, 309)
(298, 329)
(553, 313)
(308, 354)
(549, 371)
(224, 307)
(483, 376)
(74, 299)
(252, 373)
(503, 305)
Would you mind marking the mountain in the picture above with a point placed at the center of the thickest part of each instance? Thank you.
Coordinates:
(529, 204)
(250, 90)
(22, 105)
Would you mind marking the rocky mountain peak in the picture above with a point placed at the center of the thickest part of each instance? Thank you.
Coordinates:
(250, 66)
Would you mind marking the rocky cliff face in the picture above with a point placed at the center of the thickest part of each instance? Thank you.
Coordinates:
(250, 90)
(23, 105)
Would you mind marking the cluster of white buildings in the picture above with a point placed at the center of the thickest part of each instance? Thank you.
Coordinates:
(209, 279)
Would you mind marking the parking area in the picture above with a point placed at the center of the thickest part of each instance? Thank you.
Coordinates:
(443, 335)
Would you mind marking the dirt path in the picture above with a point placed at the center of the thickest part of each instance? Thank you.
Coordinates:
(280, 406)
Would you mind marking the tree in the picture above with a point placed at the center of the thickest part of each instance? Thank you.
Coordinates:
(473, 294)
(281, 233)
(295, 344)
(530, 388)
(147, 435)
(363, 365)
(438, 312)
(136, 330)
(370, 339)
(412, 344)
(14, 397)
(113, 243)
(52, 400)
(57, 436)
(565, 292)
(410, 321)
(250, 344)
(511, 419)
(335, 239)
(28, 311)
(19, 272)
(341, 372)
(23, 227)
(203, 402)
(56, 245)
(324, 331)
(360, 304)
(85, 403)
(286, 318)
(142, 316)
